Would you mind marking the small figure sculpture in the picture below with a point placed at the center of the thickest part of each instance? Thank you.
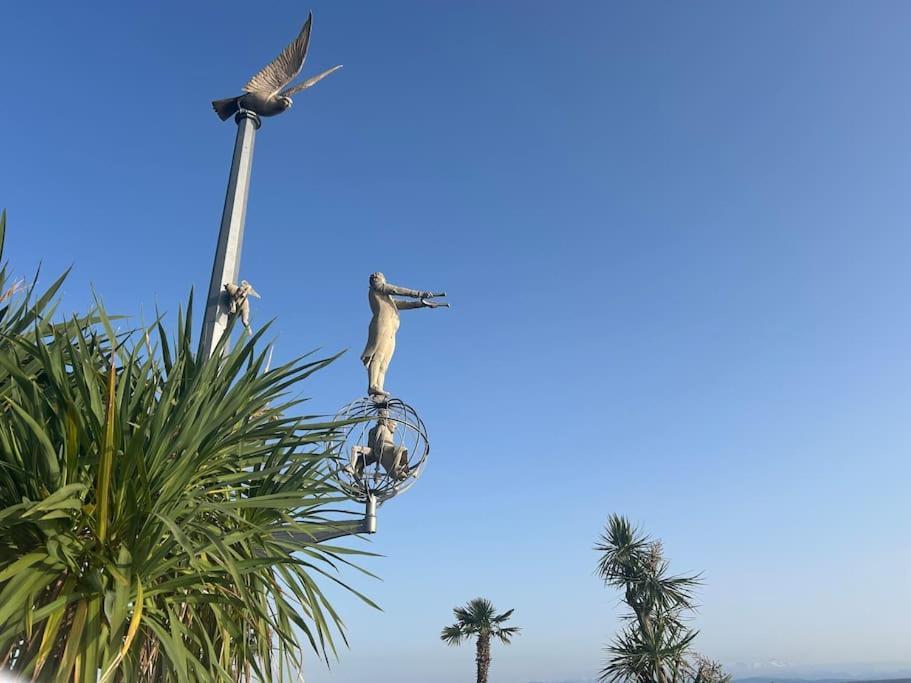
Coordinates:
(381, 448)
(381, 451)
(384, 325)
(264, 94)
(238, 301)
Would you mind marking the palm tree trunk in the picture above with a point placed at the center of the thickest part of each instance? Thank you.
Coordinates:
(483, 657)
(644, 619)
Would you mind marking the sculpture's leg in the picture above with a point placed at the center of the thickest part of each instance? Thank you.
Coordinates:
(384, 458)
(352, 466)
(361, 458)
(374, 383)
(388, 460)
(381, 361)
(381, 376)
(377, 372)
(401, 462)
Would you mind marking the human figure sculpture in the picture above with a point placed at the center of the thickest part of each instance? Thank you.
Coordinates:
(381, 448)
(384, 324)
(239, 302)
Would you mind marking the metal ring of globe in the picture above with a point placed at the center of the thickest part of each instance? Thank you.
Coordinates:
(383, 452)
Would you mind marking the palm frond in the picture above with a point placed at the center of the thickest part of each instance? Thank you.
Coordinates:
(505, 635)
(453, 635)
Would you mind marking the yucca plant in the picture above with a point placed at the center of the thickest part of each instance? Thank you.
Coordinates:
(655, 643)
(156, 506)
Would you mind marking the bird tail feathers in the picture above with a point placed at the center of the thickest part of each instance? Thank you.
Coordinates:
(225, 108)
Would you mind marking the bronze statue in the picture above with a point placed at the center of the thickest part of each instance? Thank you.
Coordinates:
(384, 325)
(265, 95)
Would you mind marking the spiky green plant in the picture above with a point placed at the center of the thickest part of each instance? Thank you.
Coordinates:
(654, 645)
(479, 620)
(155, 505)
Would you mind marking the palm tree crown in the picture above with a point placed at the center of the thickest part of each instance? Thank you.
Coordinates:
(479, 619)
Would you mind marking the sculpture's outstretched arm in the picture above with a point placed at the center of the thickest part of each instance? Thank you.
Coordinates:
(420, 303)
(401, 305)
(387, 288)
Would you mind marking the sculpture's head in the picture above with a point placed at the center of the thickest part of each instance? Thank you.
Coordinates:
(285, 102)
(377, 279)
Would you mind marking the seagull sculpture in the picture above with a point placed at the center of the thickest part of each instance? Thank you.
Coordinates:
(267, 93)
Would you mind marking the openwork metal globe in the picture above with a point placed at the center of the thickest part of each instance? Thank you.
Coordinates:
(382, 454)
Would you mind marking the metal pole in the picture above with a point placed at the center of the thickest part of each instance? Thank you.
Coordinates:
(226, 267)
(370, 515)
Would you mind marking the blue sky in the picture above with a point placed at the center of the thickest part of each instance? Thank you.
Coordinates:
(675, 237)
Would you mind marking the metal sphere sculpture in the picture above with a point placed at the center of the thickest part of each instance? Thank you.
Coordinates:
(383, 452)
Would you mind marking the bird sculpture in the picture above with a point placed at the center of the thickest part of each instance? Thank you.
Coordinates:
(267, 93)
(239, 302)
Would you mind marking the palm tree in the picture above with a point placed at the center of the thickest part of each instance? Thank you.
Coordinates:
(479, 619)
(654, 645)
(155, 504)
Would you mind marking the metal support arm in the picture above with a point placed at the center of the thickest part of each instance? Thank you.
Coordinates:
(367, 525)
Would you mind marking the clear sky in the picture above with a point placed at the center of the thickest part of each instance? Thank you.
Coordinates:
(676, 241)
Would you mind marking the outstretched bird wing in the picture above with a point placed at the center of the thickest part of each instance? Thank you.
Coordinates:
(310, 81)
(283, 68)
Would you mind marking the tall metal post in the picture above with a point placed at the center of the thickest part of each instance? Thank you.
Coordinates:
(231, 235)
